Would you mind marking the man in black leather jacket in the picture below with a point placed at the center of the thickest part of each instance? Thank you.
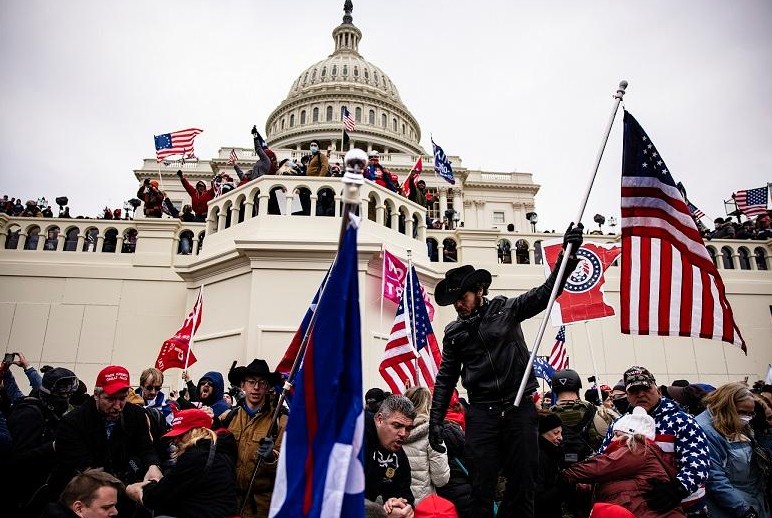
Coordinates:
(486, 348)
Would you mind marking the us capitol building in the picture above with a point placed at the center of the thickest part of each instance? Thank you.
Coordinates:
(86, 293)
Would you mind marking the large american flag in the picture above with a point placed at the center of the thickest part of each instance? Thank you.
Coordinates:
(402, 356)
(558, 355)
(752, 202)
(175, 143)
(669, 285)
(348, 121)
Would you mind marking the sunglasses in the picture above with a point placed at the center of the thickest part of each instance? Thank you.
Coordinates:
(207, 382)
(157, 388)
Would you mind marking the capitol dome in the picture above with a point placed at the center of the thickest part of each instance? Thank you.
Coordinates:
(313, 107)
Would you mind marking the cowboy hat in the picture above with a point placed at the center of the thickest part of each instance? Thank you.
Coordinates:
(256, 368)
(458, 281)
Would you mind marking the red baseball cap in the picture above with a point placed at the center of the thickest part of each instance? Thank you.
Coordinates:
(112, 379)
(186, 420)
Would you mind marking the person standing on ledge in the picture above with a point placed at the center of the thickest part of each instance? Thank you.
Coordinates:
(486, 347)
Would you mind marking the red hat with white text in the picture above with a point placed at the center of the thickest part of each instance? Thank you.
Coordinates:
(113, 379)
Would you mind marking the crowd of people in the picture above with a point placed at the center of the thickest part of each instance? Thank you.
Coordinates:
(725, 228)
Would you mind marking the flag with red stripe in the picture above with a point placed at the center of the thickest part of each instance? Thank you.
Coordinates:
(752, 202)
(412, 356)
(559, 356)
(175, 143)
(232, 158)
(669, 285)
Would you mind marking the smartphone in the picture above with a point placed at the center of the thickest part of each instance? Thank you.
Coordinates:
(9, 357)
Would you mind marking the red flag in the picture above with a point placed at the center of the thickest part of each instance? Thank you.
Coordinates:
(415, 172)
(559, 355)
(175, 349)
(394, 271)
(668, 285)
(582, 298)
(405, 362)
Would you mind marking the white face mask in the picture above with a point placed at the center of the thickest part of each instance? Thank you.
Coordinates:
(746, 419)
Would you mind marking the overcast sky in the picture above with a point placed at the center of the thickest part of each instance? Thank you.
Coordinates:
(506, 85)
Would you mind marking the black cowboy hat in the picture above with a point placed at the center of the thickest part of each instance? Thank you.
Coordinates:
(257, 368)
(458, 281)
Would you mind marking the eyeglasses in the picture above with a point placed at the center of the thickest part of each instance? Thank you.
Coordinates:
(259, 383)
(149, 388)
(207, 382)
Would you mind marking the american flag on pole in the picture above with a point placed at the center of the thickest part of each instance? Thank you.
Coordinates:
(348, 121)
(232, 158)
(558, 355)
(669, 285)
(175, 143)
(697, 213)
(752, 202)
(402, 356)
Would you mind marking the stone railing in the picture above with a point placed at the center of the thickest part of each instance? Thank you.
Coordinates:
(314, 197)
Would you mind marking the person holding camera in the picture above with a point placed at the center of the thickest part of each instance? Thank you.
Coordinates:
(152, 198)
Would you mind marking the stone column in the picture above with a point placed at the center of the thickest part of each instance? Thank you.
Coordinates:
(380, 215)
(118, 243)
(221, 220)
(440, 252)
(395, 220)
(443, 192)
(234, 214)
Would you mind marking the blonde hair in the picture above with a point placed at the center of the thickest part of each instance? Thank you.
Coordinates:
(633, 442)
(421, 399)
(151, 374)
(722, 404)
(191, 437)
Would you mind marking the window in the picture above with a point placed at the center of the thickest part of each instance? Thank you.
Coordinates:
(334, 70)
(316, 115)
(394, 125)
(521, 251)
(367, 74)
(324, 72)
(345, 70)
(292, 120)
(403, 129)
(498, 217)
(371, 117)
(329, 114)
(761, 259)
(726, 256)
(383, 120)
(302, 117)
(358, 114)
(745, 260)
(356, 71)
(375, 76)
(282, 124)
(313, 75)
(504, 251)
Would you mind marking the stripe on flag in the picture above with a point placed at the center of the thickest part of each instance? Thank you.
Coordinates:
(175, 143)
(232, 158)
(348, 121)
(752, 202)
(558, 356)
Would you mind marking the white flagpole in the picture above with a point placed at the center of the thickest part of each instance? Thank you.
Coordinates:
(196, 319)
(409, 286)
(569, 248)
(594, 365)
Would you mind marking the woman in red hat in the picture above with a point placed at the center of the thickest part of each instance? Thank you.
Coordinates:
(202, 484)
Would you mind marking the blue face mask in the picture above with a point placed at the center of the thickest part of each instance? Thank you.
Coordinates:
(314, 149)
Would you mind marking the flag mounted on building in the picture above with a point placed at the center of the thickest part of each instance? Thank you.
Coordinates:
(669, 285)
(583, 297)
(559, 355)
(752, 202)
(320, 471)
(442, 165)
(175, 350)
(176, 143)
(407, 362)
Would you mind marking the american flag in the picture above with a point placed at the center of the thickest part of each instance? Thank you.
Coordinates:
(175, 143)
(558, 355)
(669, 285)
(348, 121)
(401, 357)
(697, 213)
(753, 201)
(232, 158)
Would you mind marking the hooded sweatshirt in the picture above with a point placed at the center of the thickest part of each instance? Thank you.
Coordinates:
(215, 401)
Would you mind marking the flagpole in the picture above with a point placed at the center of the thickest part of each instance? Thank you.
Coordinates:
(594, 365)
(409, 286)
(383, 282)
(569, 247)
(354, 162)
(197, 319)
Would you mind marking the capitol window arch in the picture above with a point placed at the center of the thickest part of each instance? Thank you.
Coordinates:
(744, 256)
(761, 259)
(324, 72)
(521, 252)
(334, 70)
(282, 124)
(358, 114)
(394, 125)
(329, 114)
(726, 257)
(371, 117)
(367, 73)
(384, 118)
(345, 70)
(315, 115)
(292, 120)
(302, 117)
(356, 71)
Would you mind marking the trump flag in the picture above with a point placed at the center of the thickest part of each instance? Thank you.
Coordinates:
(174, 351)
(582, 298)
(320, 471)
(394, 275)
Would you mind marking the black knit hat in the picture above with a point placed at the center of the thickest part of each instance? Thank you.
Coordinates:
(549, 422)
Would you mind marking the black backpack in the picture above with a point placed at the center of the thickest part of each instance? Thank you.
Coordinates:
(576, 437)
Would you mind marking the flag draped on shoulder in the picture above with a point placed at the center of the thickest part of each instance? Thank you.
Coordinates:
(320, 471)
(669, 285)
(176, 143)
(559, 355)
(442, 165)
(752, 202)
(174, 350)
(408, 362)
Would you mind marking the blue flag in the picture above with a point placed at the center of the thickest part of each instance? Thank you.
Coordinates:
(442, 164)
(320, 471)
(542, 369)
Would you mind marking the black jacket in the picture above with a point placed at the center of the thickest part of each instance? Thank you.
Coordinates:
(548, 496)
(81, 443)
(488, 350)
(459, 488)
(191, 489)
(387, 474)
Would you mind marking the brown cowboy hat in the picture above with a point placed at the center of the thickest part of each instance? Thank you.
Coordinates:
(458, 281)
(257, 368)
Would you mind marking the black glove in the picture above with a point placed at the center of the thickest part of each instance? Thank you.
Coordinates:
(435, 438)
(573, 235)
(265, 450)
(665, 496)
(751, 513)
(179, 173)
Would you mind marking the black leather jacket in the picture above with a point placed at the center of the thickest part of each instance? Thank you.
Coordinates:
(488, 349)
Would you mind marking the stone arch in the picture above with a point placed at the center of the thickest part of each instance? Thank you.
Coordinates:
(52, 238)
(328, 117)
(449, 250)
(214, 216)
(726, 258)
(129, 245)
(90, 238)
(71, 239)
(302, 117)
(761, 258)
(226, 208)
(33, 235)
(521, 252)
(504, 251)
(712, 254)
(371, 117)
(432, 250)
(744, 258)
(185, 244)
(315, 114)
(110, 240)
(12, 238)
